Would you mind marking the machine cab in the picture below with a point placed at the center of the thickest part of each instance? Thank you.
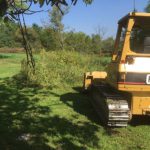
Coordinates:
(130, 67)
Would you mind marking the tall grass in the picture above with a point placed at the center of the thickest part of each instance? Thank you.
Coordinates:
(61, 68)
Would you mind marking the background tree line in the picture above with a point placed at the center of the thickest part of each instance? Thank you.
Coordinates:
(47, 38)
(53, 36)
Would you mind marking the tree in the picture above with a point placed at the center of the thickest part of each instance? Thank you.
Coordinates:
(108, 45)
(7, 32)
(96, 43)
(33, 37)
(13, 7)
(147, 8)
(100, 31)
(57, 26)
(47, 39)
(77, 41)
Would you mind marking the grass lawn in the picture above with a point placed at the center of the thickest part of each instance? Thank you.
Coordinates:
(60, 118)
(10, 64)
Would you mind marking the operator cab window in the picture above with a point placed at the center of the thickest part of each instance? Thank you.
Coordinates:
(121, 42)
(122, 38)
(140, 39)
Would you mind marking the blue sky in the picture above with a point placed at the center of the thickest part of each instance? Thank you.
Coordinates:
(103, 13)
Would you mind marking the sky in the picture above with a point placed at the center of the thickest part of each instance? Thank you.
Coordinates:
(101, 13)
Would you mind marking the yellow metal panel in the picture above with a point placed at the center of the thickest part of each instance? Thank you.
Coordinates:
(126, 47)
(91, 77)
(139, 14)
(130, 88)
(87, 80)
(137, 54)
(117, 43)
(133, 15)
(99, 74)
(140, 105)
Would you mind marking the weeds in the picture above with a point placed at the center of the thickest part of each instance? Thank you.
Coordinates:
(34, 118)
(63, 68)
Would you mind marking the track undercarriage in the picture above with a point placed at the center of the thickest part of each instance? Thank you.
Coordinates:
(111, 106)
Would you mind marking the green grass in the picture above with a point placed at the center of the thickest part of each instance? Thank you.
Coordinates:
(10, 64)
(65, 68)
(33, 118)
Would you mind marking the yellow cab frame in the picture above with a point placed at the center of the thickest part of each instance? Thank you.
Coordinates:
(140, 99)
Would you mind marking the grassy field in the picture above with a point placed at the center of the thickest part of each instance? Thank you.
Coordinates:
(10, 64)
(33, 118)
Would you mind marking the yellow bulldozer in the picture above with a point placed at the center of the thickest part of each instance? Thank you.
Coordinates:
(124, 89)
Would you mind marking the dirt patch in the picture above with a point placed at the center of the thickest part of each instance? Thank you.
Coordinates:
(11, 50)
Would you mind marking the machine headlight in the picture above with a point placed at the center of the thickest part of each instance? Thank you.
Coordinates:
(130, 60)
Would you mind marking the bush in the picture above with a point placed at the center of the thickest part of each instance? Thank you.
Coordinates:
(62, 68)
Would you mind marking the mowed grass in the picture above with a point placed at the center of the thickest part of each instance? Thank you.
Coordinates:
(10, 64)
(34, 118)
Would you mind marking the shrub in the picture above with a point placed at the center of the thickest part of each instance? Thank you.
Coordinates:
(62, 68)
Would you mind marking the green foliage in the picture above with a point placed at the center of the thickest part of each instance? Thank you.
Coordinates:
(53, 38)
(7, 34)
(56, 19)
(77, 41)
(64, 2)
(83, 43)
(35, 118)
(108, 44)
(96, 44)
(3, 7)
(47, 38)
(61, 68)
(147, 8)
(6, 5)
(57, 26)
(33, 37)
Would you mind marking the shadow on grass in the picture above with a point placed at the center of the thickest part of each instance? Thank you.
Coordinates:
(81, 104)
(19, 118)
(25, 125)
(4, 56)
(140, 120)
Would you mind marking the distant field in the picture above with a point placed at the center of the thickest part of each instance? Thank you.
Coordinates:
(10, 64)
(34, 118)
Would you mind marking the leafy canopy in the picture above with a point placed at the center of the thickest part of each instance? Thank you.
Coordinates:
(16, 6)
(147, 8)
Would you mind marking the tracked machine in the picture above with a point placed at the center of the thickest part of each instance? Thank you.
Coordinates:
(124, 89)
